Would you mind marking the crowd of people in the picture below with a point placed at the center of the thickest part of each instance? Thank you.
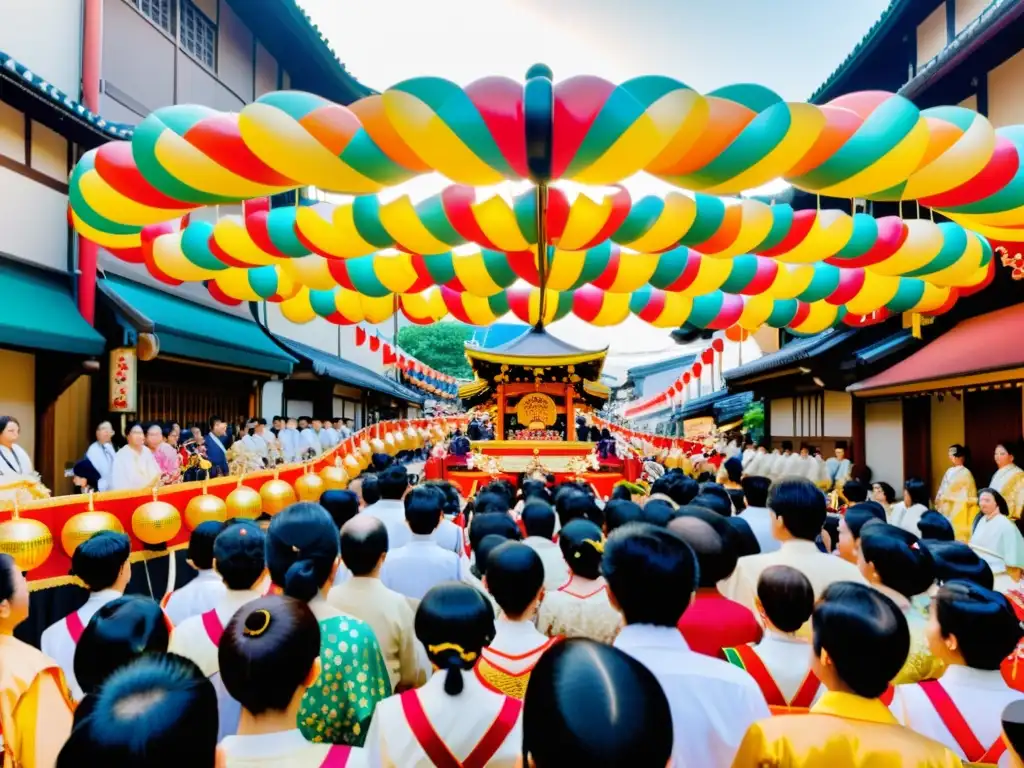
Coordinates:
(399, 624)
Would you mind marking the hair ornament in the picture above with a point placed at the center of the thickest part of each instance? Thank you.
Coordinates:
(243, 532)
(598, 545)
(467, 657)
(295, 549)
(256, 631)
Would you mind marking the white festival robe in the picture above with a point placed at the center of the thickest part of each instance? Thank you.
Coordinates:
(284, 749)
(134, 470)
(759, 464)
(748, 456)
(788, 660)
(1009, 481)
(57, 643)
(998, 542)
(14, 462)
(460, 721)
(200, 595)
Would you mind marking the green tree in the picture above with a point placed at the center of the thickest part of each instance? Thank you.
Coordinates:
(441, 346)
(753, 421)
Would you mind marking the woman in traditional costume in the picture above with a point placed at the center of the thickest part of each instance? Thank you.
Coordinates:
(135, 467)
(1009, 479)
(860, 642)
(593, 705)
(166, 455)
(957, 497)
(269, 655)
(454, 719)
(580, 607)
(35, 703)
(885, 495)
(894, 562)
(303, 551)
(997, 540)
(19, 482)
(971, 629)
(908, 512)
(515, 579)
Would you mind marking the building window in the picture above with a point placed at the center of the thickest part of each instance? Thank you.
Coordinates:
(160, 12)
(198, 34)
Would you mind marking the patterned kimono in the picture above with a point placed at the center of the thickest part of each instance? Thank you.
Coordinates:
(354, 676)
(1009, 481)
(505, 665)
(957, 499)
(35, 706)
(579, 608)
(920, 664)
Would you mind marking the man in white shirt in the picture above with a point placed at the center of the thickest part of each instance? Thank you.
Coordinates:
(797, 514)
(420, 564)
(344, 427)
(256, 441)
(206, 589)
(290, 441)
(100, 561)
(101, 455)
(538, 518)
(328, 436)
(310, 437)
(364, 547)
(393, 483)
(651, 575)
(756, 512)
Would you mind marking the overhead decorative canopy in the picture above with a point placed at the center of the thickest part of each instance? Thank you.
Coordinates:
(543, 253)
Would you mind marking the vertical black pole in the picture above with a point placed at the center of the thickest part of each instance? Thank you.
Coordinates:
(542, 250)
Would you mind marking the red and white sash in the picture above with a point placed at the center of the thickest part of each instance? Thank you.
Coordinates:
(74, 625)
(961, 732)
(213, 627)
(337, 757)
(748, 659)
(438, 751)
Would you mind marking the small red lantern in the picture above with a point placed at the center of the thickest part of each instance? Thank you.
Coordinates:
(707, 356)
(717, 344)
(697, 368)
(686, 378)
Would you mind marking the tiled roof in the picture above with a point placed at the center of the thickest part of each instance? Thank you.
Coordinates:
(792, 353)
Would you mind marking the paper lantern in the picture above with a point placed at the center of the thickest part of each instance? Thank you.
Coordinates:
(204, 508)
(244, 503)
(398, 438)
(156, 522)
(390, 446)
(309, 486)
(276, 494)
(334, 476)
(678, 386)
(377, 445)
(736, 333)
(717, 344)
(697, 369)
(707, 356)
(353, 466)
(82, 526)
(686, 378)
(28, 541)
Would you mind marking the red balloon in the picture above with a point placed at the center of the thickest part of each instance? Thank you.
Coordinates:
(697, 368)
(708, 356)
(717, 344)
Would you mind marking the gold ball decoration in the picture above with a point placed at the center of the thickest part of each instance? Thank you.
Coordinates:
(413, 439)
(674, 460)
(398, 438)
(377, 446)
(424, 436)
(276, 495)
(28, 541)
(365, 454)
(309, 486)
(82, 527)
(156, 522)
(390, 446)
(335, 477)
(244, 503)
(353, 466)
(203, 508)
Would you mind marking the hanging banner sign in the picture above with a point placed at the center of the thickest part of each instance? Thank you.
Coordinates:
(124, 382)
(698, 427)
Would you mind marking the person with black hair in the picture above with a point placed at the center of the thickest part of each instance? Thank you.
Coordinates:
(364, 548)
(239, 559)
(998, 539)
(651, 574)
(860, 642)
(678, 486)
(850, 526)
(935, 527)
(414, 568)
(206, 589)
(957, 497)
(269, 656)
(35, 703)
(302, 551)
(101, 562)
(658, 511)
(855, 492)
(455, 719)
(1008, 479)
(621, 492)
(780, 662)
(906, 513)
(885, 495)
(580, 607)
(971, 630)
(538, 519)
(798, 514)
(755, 511)
(591, 704)
(577, 504)
(893, 561)
(135, 466)
(393, 483)
(157, 711)
(618, 513)
(515, 579)
(118, 632)
(342, 506)
(449, 535)
(712, 621)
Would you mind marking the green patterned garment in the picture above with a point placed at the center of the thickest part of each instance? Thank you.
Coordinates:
(353, 678)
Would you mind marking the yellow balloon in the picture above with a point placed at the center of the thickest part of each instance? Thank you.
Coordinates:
(335, 477)
(310, 486)
(204, 508)
(244, 503)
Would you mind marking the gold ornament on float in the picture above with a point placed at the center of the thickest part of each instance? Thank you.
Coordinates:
(365, 454)
(276, 495)
(309, 485)
(413, 441)
(203, 508)
(83, 525)
(334, 476)
(377, 446)
(244, 502)
(156, 522)
(353, 466)
(28, 541)
(400, 441)
(390, 446)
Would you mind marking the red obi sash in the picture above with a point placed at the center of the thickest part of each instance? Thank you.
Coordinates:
(951, 717)
(746, 658)
(337, 757)
(213, 628)
(438, 751)
(75, 626)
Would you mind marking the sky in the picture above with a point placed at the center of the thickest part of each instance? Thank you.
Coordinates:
(790, 46)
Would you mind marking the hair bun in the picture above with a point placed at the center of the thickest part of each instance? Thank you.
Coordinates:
(300, 580)
(256, 623)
